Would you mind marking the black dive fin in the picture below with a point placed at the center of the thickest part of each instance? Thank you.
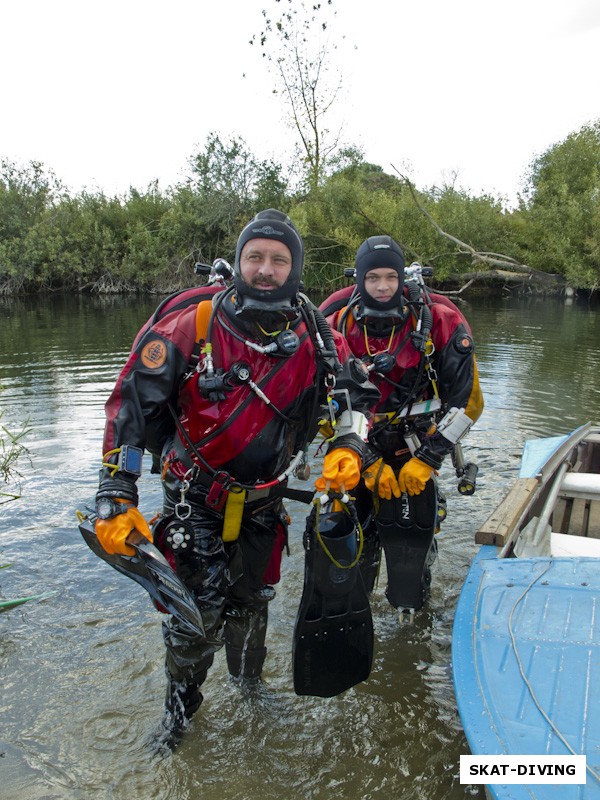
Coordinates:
(333, 636)
(151, 570)
(406, 527)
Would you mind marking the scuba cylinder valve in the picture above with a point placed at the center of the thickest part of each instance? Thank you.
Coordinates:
(219, 272)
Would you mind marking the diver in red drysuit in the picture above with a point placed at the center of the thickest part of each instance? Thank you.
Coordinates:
(420, 354)
(230, 413)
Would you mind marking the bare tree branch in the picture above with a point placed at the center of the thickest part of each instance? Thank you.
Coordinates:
(498, 260)
(301, 62)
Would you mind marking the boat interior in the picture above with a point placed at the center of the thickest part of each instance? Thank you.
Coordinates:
(556, 511)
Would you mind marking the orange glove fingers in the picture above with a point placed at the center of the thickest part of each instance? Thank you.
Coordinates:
(414, 476)
(341, 468)
(380, 477)
(112, 533)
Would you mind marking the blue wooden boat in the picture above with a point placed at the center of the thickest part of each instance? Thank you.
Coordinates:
(526, 637)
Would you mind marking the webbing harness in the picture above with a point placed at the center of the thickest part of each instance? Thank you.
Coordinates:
(225, 494)
(420, 337)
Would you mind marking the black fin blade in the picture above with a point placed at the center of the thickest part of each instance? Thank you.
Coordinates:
(151, 570)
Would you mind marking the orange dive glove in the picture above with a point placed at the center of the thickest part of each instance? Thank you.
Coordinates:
(341, 469)
(414, 475)
(113, 532)
(380, 478)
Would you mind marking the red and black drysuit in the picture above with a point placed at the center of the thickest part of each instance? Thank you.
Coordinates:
(238, 435)
(449, 375)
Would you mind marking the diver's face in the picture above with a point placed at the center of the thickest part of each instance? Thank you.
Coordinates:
(381, 283)
(265, 264)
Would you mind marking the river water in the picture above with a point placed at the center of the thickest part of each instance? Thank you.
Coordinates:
(82, 671)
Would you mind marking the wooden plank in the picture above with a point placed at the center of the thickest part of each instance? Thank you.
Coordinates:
(559, 519)
(502, 521)
(578, 520)
(594, 520)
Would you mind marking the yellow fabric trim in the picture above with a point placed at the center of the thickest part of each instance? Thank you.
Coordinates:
(474, 407)
(234, 509)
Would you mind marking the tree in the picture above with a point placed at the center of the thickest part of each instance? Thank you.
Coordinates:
(28, 195)
(230, 170)
(298, 47)
(226, 186)
(562, 203)
(489, 264)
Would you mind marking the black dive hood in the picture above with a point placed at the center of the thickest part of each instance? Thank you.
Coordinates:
(270, 224)
(374, 253)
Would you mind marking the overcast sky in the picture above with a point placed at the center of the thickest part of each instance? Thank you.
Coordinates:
(115, 94)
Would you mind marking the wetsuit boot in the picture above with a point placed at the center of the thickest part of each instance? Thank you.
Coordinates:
(183, 698)
(188, 659)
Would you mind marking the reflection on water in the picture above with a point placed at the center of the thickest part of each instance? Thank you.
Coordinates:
(82, 672)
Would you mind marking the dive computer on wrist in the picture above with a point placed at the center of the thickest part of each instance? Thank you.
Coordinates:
(107, 508)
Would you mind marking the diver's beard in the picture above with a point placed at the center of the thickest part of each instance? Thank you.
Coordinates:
(264, 284)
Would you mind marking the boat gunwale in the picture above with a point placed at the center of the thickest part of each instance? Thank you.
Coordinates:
(487, 533)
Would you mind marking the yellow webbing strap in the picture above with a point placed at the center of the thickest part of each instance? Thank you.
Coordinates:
(234, 509)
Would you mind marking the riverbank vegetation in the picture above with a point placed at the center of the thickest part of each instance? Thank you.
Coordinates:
(149, 240)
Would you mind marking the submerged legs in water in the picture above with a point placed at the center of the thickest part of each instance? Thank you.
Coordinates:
(227, 580)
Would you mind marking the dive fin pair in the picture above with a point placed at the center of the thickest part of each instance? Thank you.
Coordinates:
(333, 635)
(151, 570)
(406, 526)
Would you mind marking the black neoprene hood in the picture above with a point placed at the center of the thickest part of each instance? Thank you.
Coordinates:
(374, 253)
(270, 224)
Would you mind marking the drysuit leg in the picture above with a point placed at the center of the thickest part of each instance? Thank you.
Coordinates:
(245, 633)
(203, 568)
(406, 528)
(246, 614)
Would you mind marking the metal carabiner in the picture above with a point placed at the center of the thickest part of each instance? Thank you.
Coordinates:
(183, 509)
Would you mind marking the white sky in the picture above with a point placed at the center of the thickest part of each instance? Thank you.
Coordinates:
(116, 93)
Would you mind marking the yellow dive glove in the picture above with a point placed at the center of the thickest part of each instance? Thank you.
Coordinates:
(112, 533)
(414, 475)
(379, 478)
(341, 470)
